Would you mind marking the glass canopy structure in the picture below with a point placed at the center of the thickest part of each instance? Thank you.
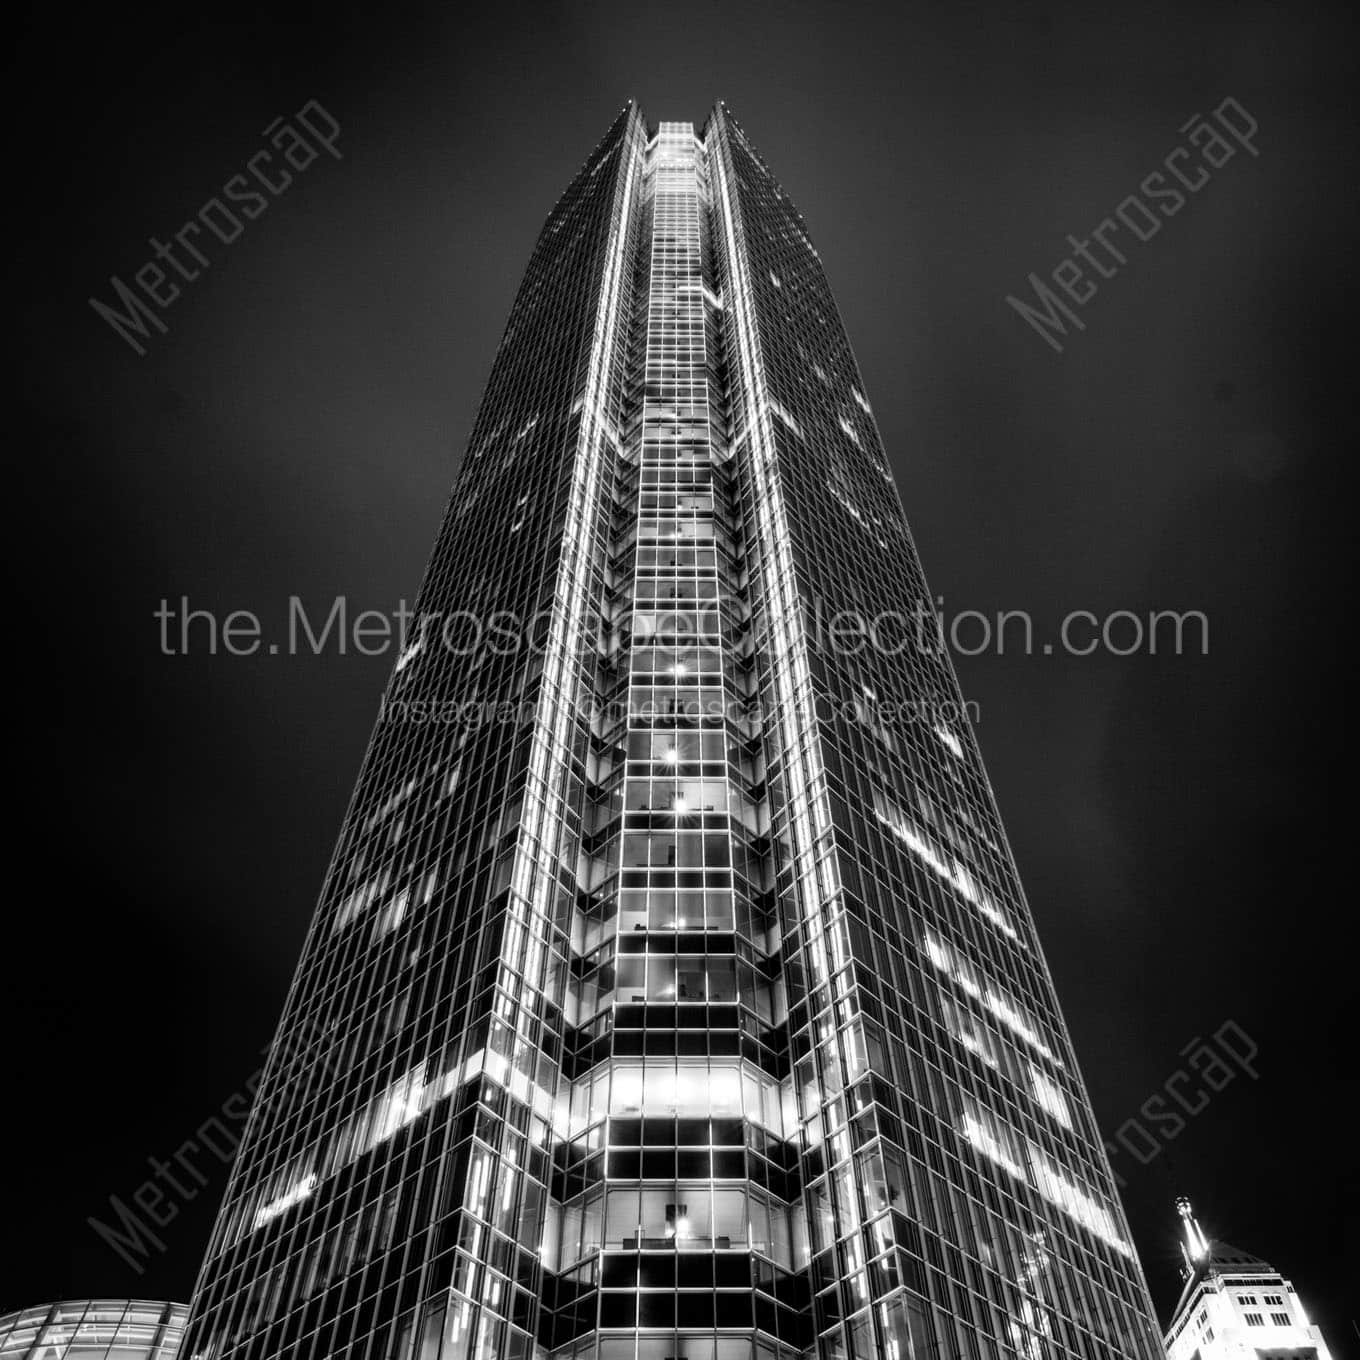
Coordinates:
(94, 1329)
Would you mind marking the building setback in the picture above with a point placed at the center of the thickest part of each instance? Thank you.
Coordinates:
(672, 992)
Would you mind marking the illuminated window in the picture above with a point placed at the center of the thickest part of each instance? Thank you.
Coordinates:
(1050, 1097)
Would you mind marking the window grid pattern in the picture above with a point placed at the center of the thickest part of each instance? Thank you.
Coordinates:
(1006, 1233)
(702, 1013)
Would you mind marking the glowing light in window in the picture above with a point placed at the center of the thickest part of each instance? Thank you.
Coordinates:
(1075, 1202)
(1049, 1097)
(987, 1144)
(961, 973)
(846, 502)
(400, 1104)
(950, 740)
(950, 870)
(781, 414)
(284, 1202)
(998, 1144)
(1001, 1007)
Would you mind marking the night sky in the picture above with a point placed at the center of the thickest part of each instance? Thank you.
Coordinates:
(1178, 821)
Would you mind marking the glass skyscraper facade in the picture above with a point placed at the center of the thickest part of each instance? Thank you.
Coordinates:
(672, 992)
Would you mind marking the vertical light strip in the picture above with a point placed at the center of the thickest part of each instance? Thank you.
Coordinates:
(656, 155)
(797, 719)
(673, 176)
(536, 853)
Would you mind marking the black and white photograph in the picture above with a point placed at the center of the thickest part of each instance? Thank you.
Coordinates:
(685, 683)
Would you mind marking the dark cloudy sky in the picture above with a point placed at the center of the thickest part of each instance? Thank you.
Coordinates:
(1180, 823)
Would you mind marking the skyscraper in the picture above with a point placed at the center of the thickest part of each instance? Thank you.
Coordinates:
(671, 991)
(1236, 1305)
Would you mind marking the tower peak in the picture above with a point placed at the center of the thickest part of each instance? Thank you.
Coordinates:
(1195, 1247)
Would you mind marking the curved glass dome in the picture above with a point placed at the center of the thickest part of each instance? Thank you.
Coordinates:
(94, 1329)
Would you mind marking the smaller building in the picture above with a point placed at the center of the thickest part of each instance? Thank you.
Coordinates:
(94, 1329)
(1236, 1306)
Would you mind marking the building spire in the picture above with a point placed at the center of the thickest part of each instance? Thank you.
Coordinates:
(1195, 1248)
